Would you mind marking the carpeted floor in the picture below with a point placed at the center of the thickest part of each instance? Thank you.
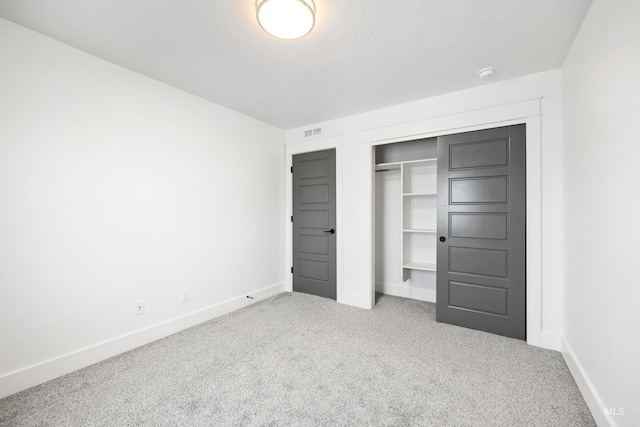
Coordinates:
(301, 360)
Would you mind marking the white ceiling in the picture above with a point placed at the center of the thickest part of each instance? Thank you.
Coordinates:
(361, 55)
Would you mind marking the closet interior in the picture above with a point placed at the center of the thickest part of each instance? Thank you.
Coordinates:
(405, 218)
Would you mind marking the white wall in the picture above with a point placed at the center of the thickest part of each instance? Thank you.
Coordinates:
(356, 200)
(601, 96)
(116, 188)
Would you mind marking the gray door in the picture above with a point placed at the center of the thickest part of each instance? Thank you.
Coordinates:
(314, 223)
(481, 231)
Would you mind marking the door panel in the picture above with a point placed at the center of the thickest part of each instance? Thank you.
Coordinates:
(314, 194)
(479, 190)
(318, 245)
(313, 219)
(478, 154)
(480, 262)
(483, 299)
(314, 270)
(314, 214)
(481, 218)
(314, 168)
(479, 225)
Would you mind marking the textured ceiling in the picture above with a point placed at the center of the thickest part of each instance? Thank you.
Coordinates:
(361, 55)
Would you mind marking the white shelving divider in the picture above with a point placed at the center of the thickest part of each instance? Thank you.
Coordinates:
(419, 215)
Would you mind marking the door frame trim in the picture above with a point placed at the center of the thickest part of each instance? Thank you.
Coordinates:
(526, 112)
(320, 144)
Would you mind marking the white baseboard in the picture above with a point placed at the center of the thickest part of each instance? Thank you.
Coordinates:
(30, 376)
(551, 341)
(586, 387)
(428, 295)
(354, 300)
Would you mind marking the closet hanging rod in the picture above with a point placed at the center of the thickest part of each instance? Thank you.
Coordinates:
(383, 170)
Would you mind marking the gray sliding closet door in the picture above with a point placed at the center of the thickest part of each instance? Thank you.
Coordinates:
(481, 231)
(314, 223)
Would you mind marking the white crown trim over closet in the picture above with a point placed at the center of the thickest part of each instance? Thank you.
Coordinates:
(525, 111)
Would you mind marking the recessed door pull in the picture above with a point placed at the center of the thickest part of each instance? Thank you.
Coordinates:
(443, 239)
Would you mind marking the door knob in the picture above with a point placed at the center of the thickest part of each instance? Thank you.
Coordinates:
(330, 231)
(443, 239)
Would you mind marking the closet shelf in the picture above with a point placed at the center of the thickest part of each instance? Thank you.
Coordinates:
(387, 166)
(390, 165)
(425, 266)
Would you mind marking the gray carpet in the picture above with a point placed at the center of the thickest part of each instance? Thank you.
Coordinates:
(300, 360)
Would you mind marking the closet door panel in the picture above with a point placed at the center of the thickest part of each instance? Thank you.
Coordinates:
(481, 231)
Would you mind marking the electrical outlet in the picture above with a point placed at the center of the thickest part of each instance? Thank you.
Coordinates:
(184, 296)
(138, 308)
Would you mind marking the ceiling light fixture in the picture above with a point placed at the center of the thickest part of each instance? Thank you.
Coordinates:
(286, 19)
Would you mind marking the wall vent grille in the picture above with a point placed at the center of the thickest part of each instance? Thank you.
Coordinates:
(312, 132)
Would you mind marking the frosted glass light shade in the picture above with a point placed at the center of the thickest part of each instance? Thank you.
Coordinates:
(286, 19)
